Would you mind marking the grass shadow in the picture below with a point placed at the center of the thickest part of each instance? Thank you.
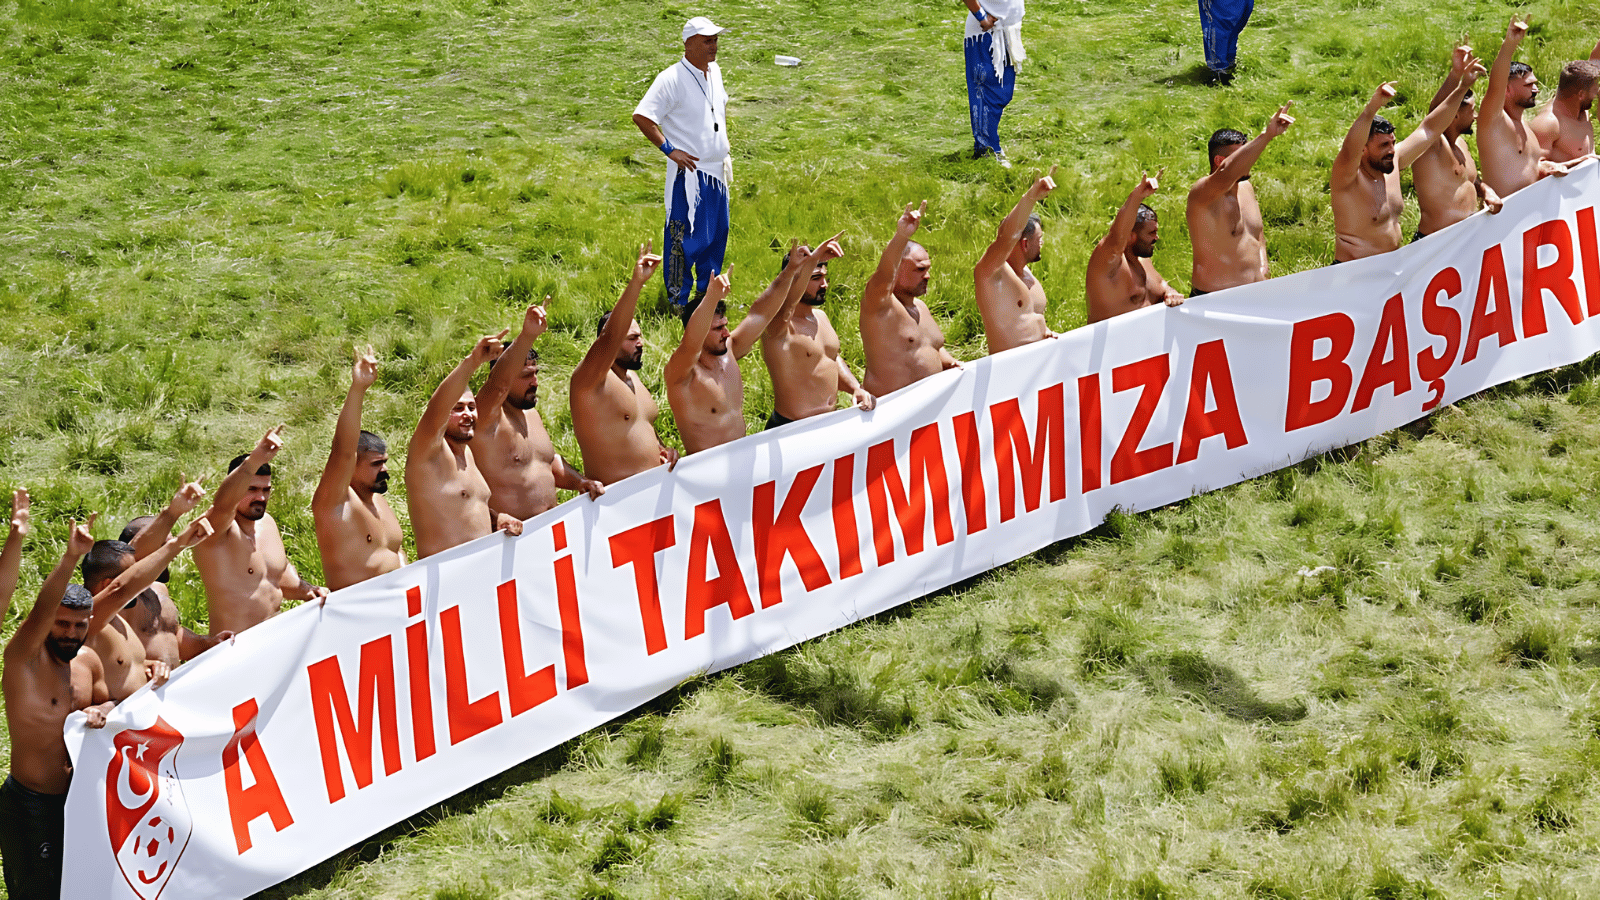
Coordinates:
(1219, 687)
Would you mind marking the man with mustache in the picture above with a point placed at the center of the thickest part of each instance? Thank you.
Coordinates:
(1365, 181)
(1511, 152)
(1445, 175)
(513, 451)
(613, 414)
(448, 498)
(902, 342)
(800, 345)
(245, 568)
(1010, 299)
(358, 533)
(1564, 129)
(1120, 277)
(1225, 225)
(49, 674)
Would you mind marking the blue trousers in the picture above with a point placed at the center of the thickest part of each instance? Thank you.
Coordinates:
(700, 250)
(987, 95)
(1220, 22)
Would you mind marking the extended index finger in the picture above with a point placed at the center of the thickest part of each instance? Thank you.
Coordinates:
(1052, 174)
(836, 236)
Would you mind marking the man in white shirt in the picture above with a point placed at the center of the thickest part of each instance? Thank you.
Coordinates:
(684, 113)
(993, 47)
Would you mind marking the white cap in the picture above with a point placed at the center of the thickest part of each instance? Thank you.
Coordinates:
(701, 25)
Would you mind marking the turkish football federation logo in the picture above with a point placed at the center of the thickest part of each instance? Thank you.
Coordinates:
(146, 815)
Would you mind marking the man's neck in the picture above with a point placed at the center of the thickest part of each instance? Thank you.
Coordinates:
(247, 525)
(618, 370)
(909, 301)
(1018, 259)
(705, 68)
(1567, 108)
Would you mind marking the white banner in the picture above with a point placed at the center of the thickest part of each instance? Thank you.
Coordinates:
(325, 725)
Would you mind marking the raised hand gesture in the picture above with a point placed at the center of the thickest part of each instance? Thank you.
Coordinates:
(196, 532)
(1459, 57)
(19, 512)
(717, 289)
(828, 250)
(365, 370)
(646, 264)
(270, 443)
(1042, 188)
(1384, 93)
(1517, 29)
(489, 346)
(1473, 71)
(535, 321)
(910, 220)
(187, 498)
(1149, 184)
(1281, 120)
(81, 539)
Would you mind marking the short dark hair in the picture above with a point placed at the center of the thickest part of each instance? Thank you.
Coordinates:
(600, 324)
(1146, 214)
(1578, 75)
(533, 356)
(266, 468)
(1467, 97)
(77, 597)
(804, 250)
(688, 308)
(134, 526)
(1520, 69)
(104, 560)
(1223, 137)
(1380, 125)
(912, 245)
(1031, 227)
(370, 443)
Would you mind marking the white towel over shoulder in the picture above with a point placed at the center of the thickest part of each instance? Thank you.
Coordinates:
(1007, 45)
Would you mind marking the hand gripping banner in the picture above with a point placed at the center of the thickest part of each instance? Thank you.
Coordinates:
(328, 724)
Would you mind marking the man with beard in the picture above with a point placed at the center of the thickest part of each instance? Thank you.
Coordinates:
(513, 451)
(800, 345)
(1512, 155)
(358, 534)
(902, 342)
(118, 646)
(1010, 299)
(1564, 129)
(1224, 218)
(246, 571)
(448, 497)
(1120, 276)
(49, 674)
(705, 388)
(1445, 175)
(1365, 181)
(152, 614)
(613, 414)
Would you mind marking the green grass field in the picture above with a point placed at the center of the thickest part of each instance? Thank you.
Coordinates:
(208, 203)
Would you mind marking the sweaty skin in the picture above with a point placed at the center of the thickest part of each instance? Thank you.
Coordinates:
(613, 414)
(358, 533)
(705, 388)
(1510, 152)
(1445, 176)
(1563, 127)
(801, 347)
(902, 342)
(1367, 202)
(245, 569)
(1010, 300)
(512, 449)
(1224, 218)
(1120, 277)
(449, 499)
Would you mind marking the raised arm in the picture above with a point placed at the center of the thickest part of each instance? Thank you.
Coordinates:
(1494, 94)
(144, 573)
(1347, 165)
(1110, 248)
(781, 287)
(680, 365)
(880, 287)
(1238, 163)
(591, 372)
(1458, 67)
(11, 556)
(341, 467)
(436, 415)
(773, 306)
(1438, 118)
(155, 532)
(497, 386)
(30, 635)
(237, 483)
(1012, 225)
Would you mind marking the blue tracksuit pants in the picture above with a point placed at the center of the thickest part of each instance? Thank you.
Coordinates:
(700, 250)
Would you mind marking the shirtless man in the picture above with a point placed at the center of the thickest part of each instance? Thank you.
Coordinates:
(513, 450)
(613, 414)
(118, 646)
(448, 496)
(1512, 155)
(903, 343)
(152, 614)
(704, 386)
(1120, 276)
(245, 568)
(1010, 299)
(49, 674)
(1224, 218)
(1564, 130)
(1365, 181)
(11, 556)
(801, 347)
(1445, 176)
(358, 534)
